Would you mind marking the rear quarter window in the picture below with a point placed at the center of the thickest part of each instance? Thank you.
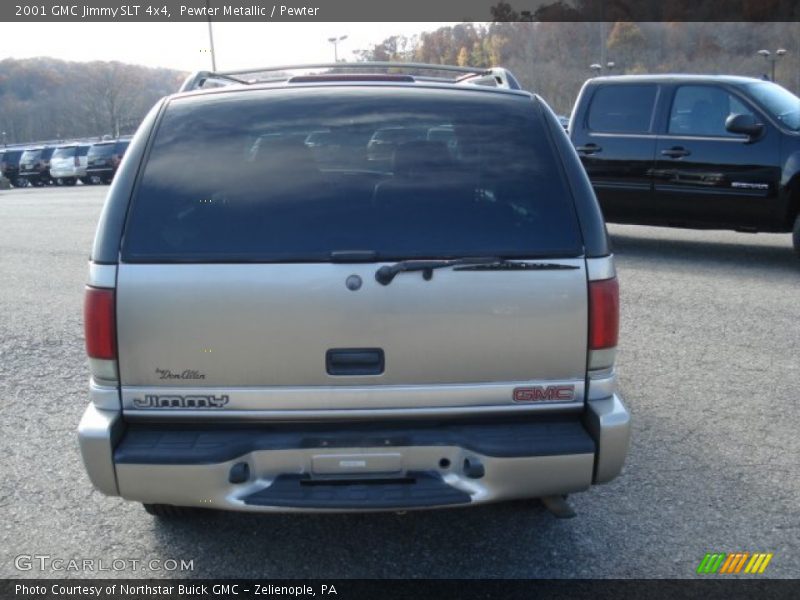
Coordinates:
(622, 108)
(290, 176)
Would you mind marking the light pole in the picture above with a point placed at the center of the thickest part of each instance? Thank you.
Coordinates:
(211, 39)
(772, 59)
(597, 67)
(335, 41)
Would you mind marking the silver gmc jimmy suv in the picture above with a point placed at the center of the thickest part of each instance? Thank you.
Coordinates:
(351, 291)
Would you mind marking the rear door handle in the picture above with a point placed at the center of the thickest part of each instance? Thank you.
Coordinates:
(588, 149)
(676, 152)
(354, 361)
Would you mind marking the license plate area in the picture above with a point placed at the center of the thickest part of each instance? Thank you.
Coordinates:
(369, 463)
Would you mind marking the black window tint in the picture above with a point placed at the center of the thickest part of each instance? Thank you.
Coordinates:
(283, 175)
(702, 110)
(67, 152)
(83, 150)
(623, 108)
(30, 156)
(102, 149)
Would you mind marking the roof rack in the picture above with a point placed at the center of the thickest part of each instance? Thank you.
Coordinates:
(493, 77)
(198, 79)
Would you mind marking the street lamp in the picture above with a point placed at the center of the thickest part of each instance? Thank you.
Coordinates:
(597, 67)
(211, 39)
(335, 41)
(772, 58)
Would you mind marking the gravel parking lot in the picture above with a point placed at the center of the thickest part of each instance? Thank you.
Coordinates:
(709, 366)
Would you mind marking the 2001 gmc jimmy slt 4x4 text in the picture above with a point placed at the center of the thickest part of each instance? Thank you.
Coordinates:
(278, 320)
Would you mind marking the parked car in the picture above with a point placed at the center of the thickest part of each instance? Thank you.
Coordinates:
(34, 165)
(68, 164)
(382, 145)
(275, 334)
(9, 164)
(709, 152)
(104, 158)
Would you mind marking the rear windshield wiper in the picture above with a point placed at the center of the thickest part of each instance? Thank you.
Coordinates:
(387, 273)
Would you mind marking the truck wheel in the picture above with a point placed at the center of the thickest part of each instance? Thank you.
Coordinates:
(796, 235)
(169, 511)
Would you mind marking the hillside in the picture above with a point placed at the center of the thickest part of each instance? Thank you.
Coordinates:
(47, 98)
(554, 58)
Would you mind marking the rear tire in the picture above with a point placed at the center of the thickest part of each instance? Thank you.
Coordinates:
(169, 511)
(796, 235)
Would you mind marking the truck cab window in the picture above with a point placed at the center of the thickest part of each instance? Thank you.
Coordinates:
(622, 108)
(702, 110)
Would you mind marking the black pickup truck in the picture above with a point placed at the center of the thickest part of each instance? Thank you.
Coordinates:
(705, 152)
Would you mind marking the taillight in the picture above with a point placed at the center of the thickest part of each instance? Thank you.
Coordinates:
(99, 323)
(603, 322)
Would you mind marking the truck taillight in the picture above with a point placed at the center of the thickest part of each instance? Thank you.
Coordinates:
(603, 322)
(99, 323)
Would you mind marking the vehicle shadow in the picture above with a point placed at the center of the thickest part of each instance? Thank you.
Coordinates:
(458, 543)
(706, 253)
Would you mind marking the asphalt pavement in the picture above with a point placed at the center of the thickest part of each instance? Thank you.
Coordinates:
(709, 364)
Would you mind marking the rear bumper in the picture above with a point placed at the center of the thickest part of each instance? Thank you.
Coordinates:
(341, 467)
(35, 174)
(62, 172)
(107, 170)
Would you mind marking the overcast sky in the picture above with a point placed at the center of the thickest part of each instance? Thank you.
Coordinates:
(185, 45)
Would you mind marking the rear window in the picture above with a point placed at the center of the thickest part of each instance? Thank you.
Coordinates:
(30, 156)
(67, 152)
(289, 176)
(83, 150)
(102, 149)
(622, 108)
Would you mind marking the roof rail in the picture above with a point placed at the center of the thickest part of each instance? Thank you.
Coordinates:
(495, 76)
(198, 79)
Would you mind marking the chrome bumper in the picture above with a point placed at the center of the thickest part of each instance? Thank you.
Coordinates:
(208, 483)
